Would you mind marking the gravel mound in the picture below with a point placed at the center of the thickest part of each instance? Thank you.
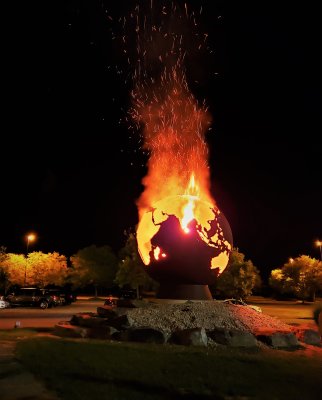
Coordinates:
(210, 315)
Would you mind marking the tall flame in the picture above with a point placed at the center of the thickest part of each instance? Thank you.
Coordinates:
(174, 122)
(188, 215)
(174, 129)
(188, 210)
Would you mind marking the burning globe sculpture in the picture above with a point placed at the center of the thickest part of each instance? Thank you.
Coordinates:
(183, 238)
(185, 244)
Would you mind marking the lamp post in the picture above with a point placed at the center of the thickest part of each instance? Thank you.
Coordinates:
(319, 244)
(30, 238)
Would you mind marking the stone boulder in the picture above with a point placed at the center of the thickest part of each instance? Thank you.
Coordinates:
(66, 329)
(190, 337)
(280, 340)
(232, 337)
(142, 335)
(89, 320)
(308, 336)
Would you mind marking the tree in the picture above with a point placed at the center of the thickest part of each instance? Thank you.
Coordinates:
(276, 280)
(39, 269)
(4, 276)
(300, 277)
(15, 268)
(131, 270)
(95, 266)
(46, 269)
(238, 279)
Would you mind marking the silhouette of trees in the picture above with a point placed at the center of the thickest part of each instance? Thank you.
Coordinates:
(95, 266)
(131, 270)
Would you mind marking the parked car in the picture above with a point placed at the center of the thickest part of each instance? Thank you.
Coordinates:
(4, 303)
(32, 297)
(64, 297)
(242, 303)
(118, 295)
(111, 301)
(122, 293)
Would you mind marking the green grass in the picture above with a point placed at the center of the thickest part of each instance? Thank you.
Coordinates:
(22, 333)
(96, 370)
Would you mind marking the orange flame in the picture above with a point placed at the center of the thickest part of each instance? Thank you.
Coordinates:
(157, 251)
(187, 215)
(188, 210)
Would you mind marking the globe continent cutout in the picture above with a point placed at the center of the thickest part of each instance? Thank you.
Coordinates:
(197, 255)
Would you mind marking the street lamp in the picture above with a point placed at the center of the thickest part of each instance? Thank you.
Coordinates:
(30, 238)
(319, 244)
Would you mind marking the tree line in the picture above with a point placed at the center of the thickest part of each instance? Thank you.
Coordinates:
(101, 268)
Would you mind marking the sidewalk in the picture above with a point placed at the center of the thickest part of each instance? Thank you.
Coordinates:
(15, 382)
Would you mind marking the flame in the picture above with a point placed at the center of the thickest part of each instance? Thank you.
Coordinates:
(187, 215)
(188, 210)
(157, 252)
(193, 188)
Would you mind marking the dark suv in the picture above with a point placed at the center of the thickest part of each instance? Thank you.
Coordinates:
(32, 297)
(65, 297)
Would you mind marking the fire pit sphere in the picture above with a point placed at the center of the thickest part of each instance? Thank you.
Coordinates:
(185, 244)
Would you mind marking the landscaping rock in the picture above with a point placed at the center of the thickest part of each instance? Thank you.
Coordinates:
(280, 340)
(233, 338)
(190, 337)
(120, 323)
(89, 320)
(106, 311)
(65, 329)
(144, 335)
(308, 336)
(102, 332)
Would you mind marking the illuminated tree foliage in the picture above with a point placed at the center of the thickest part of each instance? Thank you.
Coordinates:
(15, 265)
(131, 270)
(46, 269)
(300, 277)
(238, 279)
(93, 266)
(40, 269)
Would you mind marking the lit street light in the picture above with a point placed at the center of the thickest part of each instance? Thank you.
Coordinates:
(319, 244)
(30, 238)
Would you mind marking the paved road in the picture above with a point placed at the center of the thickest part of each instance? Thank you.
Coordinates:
(293, 313)
(31, 317)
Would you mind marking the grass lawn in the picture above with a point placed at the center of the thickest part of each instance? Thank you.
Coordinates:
(97, 370)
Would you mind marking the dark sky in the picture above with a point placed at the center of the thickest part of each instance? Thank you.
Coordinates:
(71, 171)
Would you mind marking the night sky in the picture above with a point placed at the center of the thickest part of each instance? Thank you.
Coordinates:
(72, 168)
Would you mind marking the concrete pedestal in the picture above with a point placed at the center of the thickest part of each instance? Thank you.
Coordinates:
(184, 292)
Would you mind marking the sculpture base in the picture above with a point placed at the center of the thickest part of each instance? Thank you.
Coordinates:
(184, 292)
